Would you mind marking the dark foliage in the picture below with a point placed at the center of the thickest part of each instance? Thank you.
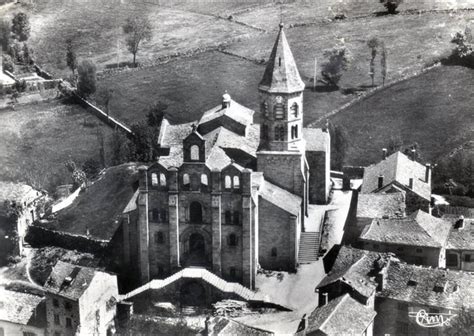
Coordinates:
(21, 27)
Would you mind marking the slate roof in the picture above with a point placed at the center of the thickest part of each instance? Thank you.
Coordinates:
(341, 316)
(380, 205)
(457, 288)
(397, 168)
(316, 139)
(172, 137)
(16, 307)
(280, 197)
(234, 111)
(418, 229)
(80, 277)
(224, 326)
(460, 238)
(281, 73)
(356, 268)
(99, 207)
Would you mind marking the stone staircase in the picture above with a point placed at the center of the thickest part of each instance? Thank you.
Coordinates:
(309, 247)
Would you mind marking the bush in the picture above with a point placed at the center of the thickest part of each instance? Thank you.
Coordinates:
(8, 64)
(91, 168)
(87, 82)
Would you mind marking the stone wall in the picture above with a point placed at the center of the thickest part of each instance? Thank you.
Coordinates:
(319, 180)
(415, 202)
(64, 309)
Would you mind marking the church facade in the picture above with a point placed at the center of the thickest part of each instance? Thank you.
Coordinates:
(230, 195)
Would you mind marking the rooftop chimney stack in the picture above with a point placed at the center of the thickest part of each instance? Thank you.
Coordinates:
(380, 182)
(410, 183)
(384, 153)
(324, 300)
(226, 100)
(413, 154)
(428, 173)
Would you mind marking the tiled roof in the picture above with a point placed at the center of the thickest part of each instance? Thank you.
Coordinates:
(281, 73)
(234, 111)
(98, 209)
(460, 238)
(457, 288)
(69, 280)
(172, 138)
(16, 307)
(356, 268)
(418, 229)
(380, 205)
(280, 197)
(224, 326)
(341, 316)
(316, 139)
(397, 168)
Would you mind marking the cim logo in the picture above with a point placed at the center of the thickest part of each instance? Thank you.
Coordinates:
(432, 320)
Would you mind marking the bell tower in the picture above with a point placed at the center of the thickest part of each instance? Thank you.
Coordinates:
(281, 100)
(281, 154)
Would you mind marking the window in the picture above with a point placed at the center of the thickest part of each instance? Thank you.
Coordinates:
(274, 252)
(56, 319)
(68, 322)
(195, 212)
(228, 217)
(236, 182)
(279, 112)
(163, 215)
(162, 180)
(232, 240)
(155, 214)
(55, 302)
(236, 218)
(228, 182)
(467, 258)
(68, 306)
(264, 109)
(294, 110)
(186, 179)
(204, 180)
(194, 152)
(159, 238)
(294, 131)
(279, 133)
(154, 179)
(419, 250)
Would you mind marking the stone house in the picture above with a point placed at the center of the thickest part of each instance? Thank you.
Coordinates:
(405, 290)
(80, 301)
(21, 314)
(228, 194)
(460, 244)
(418, 238)
(340, 316)
(398, 172)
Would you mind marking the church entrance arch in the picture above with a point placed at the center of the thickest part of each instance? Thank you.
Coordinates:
(196, 247)
(196, 244)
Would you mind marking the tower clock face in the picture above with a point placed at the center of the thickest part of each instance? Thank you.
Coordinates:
(279, 99)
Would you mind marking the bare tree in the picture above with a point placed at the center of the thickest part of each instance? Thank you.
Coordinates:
(71, 58)
(136, 29)
(383, 63)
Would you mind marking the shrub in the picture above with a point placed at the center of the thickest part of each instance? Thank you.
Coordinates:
(8, 64)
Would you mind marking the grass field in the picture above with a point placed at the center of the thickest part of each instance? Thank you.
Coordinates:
(434, 109)
(37, 139)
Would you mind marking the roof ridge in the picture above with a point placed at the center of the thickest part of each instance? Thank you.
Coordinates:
(344, 297)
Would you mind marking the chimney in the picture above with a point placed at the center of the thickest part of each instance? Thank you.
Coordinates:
(384, 153)
(413, 154)
(226, 100)
(143, 177)
(381, 278)
(326, 126)
(428, 173)
(459, 223)
(380, 182)
(410, 183)
(346, 182)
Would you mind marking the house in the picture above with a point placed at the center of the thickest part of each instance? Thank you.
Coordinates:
(419, 238)
(223, 326)
(341, 316)
(80, 300)
(354, 272)
(22, 313)
(460, 244)
(227, 194)
(407, 292)
(18, 209)
(398, 172)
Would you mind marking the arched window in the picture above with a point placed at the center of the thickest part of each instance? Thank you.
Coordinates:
(155, 214)
(236, 182)
(195, 212)
(232, 240)
(228, 217)
(279, 133)
(294, 110)
(154, 179)
(195, 152)
(204, 180)
(264, 108)
(228, 182)
(279, 111)
(159, 238)
(294, 131)
(162, 180)
(236, 218)
(274, 252)
(163, 215)
(186, 179)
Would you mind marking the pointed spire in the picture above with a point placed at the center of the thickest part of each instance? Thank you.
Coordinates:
(281, 74)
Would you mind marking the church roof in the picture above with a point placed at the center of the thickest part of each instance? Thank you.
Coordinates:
(281, 73)
(280, 197)
(234, 111)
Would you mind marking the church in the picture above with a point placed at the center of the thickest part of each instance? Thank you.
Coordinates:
(230, 195)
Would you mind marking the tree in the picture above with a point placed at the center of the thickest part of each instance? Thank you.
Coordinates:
(7, 62)
(87, 82)
(156, 113)
(373, 44)
(464, 51)
(27, 54)
(21, 27)
(78, 175)
(71, 59)
(119, 148)
(391, 5)
(339, 145)
(5, 32)
(143, 145)
(136, 29)
(104, 96)
(383, 63)
(338, 61)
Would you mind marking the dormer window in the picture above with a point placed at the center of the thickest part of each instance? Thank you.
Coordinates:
(195, 153)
